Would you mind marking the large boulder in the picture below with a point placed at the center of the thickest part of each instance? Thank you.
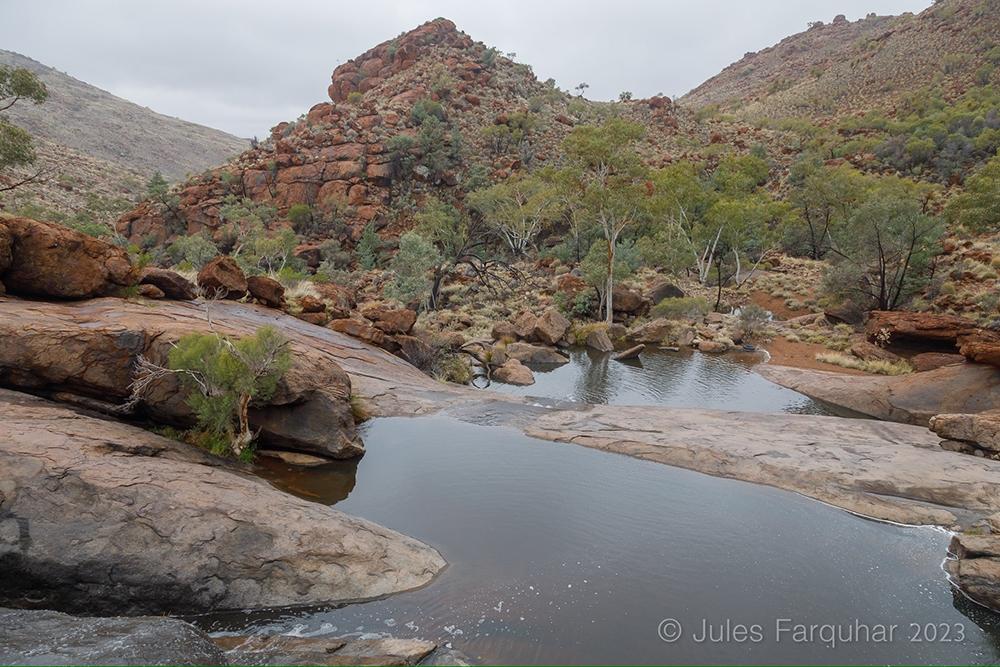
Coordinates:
(222, 277)
(86, 350)
(862, 349)
(172, 284)
(665, 290)
(550, 327)
(628, 302)
(104, 517)
(658, 331)
(524, 325)
(311, 304)
(267, 291)
(598, 339)
(514, 372)
(340, 300)
(981, 429)
(43, 637)
(49, 260)
(534, 354)
(504, 331)
(928, 361)
(976, 568)
(982, 347)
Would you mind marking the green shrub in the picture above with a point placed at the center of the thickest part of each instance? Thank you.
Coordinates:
(192, 250)
(580, 306)
(225, 377)
(682, 308)
(369, 248)
(301, 217)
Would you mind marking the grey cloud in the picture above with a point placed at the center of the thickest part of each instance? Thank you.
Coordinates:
(244, 66)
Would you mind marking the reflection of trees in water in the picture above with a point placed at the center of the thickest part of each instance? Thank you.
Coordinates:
(988, 621)
(719, 377)
(594, 382)
(328, 484)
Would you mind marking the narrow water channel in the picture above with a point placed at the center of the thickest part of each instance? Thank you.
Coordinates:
(562, 554)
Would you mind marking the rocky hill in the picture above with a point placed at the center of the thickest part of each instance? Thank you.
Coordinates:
(366, 156)
(97, 124)
(843, 67)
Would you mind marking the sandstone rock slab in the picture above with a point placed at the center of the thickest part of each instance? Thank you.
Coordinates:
(287, 650)
(157, 526)
(911, 399)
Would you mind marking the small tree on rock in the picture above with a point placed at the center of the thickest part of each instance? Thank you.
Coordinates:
(224, 379)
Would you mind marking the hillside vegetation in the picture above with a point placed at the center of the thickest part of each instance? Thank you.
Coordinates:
(842, 67)
(97, 124)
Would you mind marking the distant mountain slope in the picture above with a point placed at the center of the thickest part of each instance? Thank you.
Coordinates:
(95, 123)
(844, 67)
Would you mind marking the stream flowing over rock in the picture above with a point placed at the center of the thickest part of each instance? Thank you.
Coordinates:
(52, 638)
(102, 517)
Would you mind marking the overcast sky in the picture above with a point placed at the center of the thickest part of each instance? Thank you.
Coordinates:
(245, 65)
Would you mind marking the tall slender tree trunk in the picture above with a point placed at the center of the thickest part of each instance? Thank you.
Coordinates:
(609, 285)
(244, 435)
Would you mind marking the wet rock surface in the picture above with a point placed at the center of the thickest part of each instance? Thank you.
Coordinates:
(51, 638)
(155, 525)
(286, 650)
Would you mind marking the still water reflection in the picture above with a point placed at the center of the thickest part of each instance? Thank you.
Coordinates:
(678, 379)
(561, 554)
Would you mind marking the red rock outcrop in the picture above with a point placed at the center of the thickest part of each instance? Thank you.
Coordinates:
(388, 58)
(973, 342)
(222, 276)
(919, 326)
(49, 260)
